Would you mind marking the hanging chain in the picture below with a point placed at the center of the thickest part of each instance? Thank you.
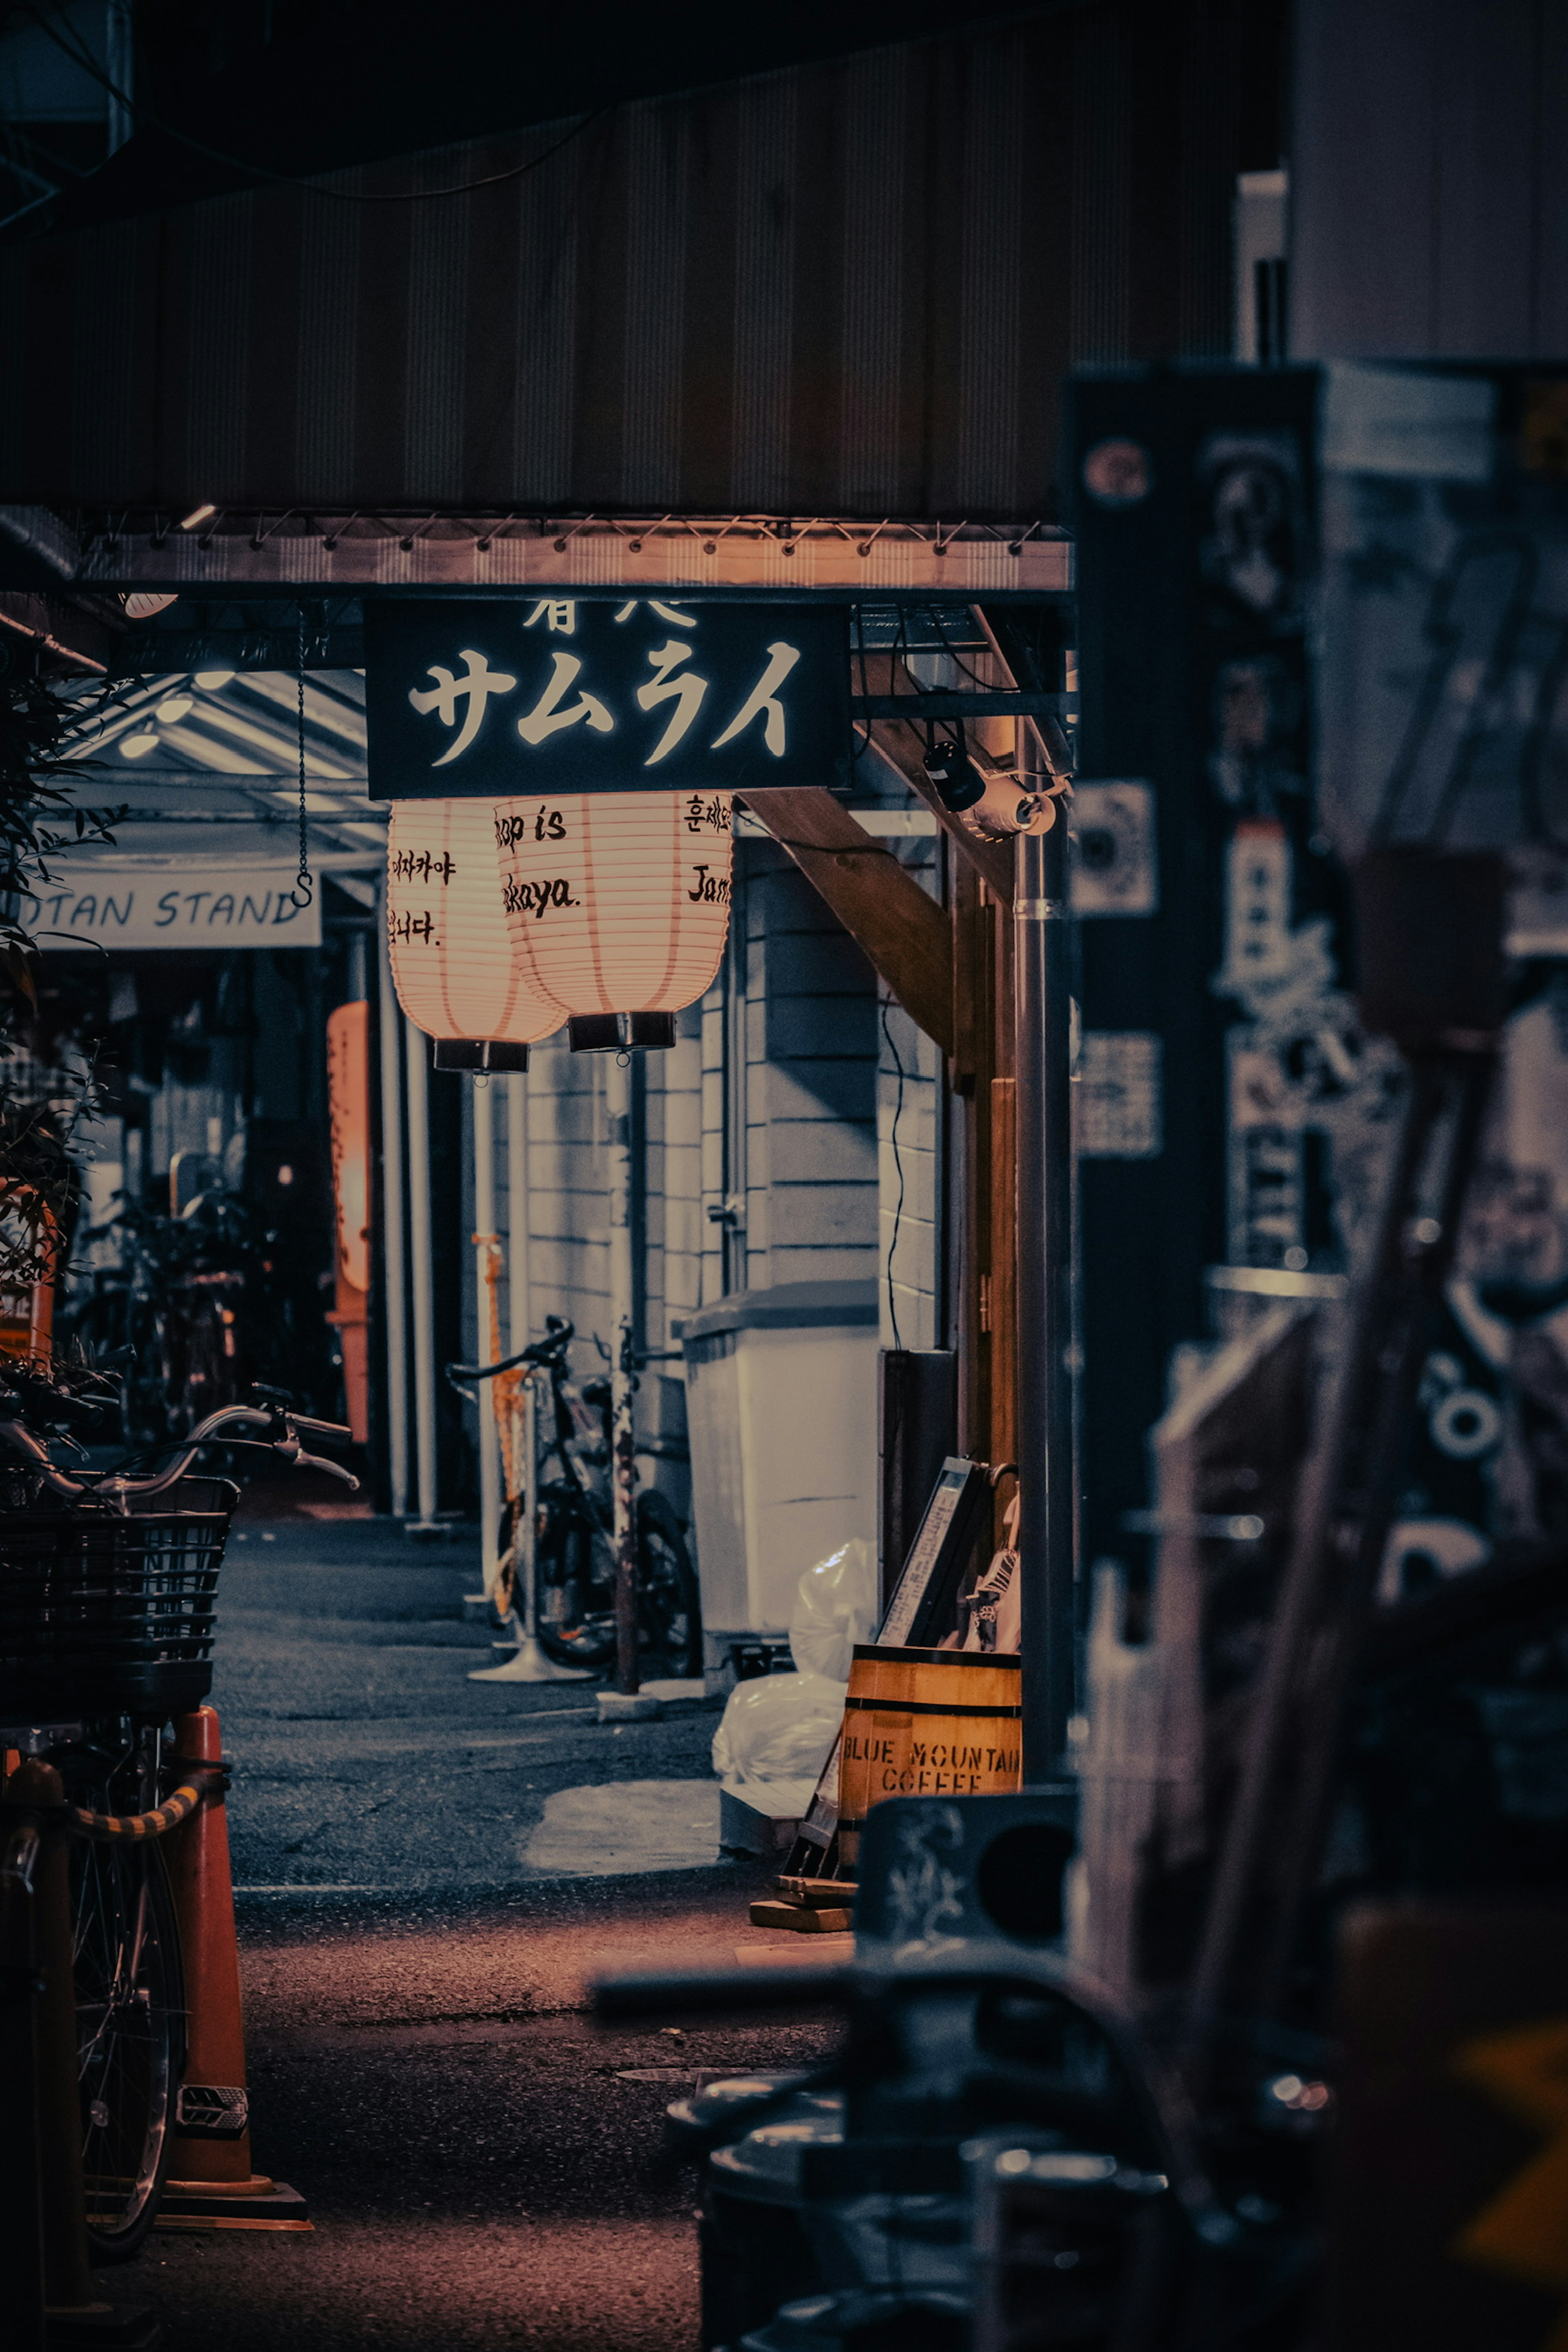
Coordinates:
(304, 890)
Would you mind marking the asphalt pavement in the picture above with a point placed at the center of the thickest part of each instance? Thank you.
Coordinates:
(365, 1757)
(429, 1870)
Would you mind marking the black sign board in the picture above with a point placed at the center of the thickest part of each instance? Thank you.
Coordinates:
(488, 698)
(924, 1602)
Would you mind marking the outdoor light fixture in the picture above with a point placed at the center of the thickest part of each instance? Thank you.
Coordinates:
(954, 775)
(993, 803)
(457, 976)
(618, 904)
(197, 516)
(209, 680)
(178, 707)
(137, 746)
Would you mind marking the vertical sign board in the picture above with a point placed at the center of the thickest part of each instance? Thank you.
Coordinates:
(1443, 717)
(498, 697)
(348, 1098)
(1208, 978)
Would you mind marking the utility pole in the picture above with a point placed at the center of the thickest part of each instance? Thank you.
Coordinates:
(487, 1250)
(416, 1080)
(623, 1458)
(394, 1273)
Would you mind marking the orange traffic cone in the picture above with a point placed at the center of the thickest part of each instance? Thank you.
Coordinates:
(211, 2185)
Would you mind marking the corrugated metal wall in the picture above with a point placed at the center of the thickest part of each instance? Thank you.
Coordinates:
(1429, 180)
(849, 288)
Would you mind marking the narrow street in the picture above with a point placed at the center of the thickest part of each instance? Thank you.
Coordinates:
(483, 2166)
(784, 830)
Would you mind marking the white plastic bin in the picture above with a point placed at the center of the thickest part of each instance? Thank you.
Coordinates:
(780, 1400)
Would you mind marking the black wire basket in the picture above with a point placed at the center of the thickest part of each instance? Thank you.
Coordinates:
(104, 1612)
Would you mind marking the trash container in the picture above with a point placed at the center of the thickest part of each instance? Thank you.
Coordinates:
(781, 1397)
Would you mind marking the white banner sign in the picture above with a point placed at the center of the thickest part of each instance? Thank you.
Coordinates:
(113, 903)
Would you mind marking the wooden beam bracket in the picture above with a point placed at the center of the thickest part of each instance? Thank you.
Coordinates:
(903, 933)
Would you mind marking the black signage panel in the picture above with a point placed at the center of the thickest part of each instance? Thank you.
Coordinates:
(489, 697)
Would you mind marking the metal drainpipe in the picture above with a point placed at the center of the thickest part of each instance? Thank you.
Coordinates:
(392, 1233)
(1047, 1479)
(485, 1241)
(622, 1460)
(417, 1080)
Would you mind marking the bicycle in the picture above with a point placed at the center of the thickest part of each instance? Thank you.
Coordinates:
(575, 1563)
(199, 1309)
(107, 1608)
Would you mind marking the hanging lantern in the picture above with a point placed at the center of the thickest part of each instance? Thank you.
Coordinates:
(618, 904)
(452, 961)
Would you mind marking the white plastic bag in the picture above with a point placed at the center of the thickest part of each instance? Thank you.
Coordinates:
(775, 1732)
(835, 1607)
(776, 1727)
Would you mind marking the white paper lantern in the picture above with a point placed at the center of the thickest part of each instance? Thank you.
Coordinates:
(619, 902)
(452, 961)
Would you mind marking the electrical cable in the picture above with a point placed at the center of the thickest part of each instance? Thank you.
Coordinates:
(862, 741)
(899, 1167)
(304, 891)
(89, 65)
(986, 685)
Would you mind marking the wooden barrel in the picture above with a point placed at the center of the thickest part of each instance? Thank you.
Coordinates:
(925, 1723)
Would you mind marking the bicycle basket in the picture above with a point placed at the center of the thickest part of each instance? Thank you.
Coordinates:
(109, 1613)
(20, 1486)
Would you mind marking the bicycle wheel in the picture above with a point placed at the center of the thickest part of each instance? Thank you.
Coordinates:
(669, 1602)
(576, 1574)
(131, 2038)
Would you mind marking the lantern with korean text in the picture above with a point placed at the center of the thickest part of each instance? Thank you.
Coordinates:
(618, 904)
(453, 964)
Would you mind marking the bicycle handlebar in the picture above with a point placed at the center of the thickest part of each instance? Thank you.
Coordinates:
(285, 1425)
(561, 1334)
(329, 1431)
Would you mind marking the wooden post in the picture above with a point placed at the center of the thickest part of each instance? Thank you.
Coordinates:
(1044, 1373)
(1004, 1253)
